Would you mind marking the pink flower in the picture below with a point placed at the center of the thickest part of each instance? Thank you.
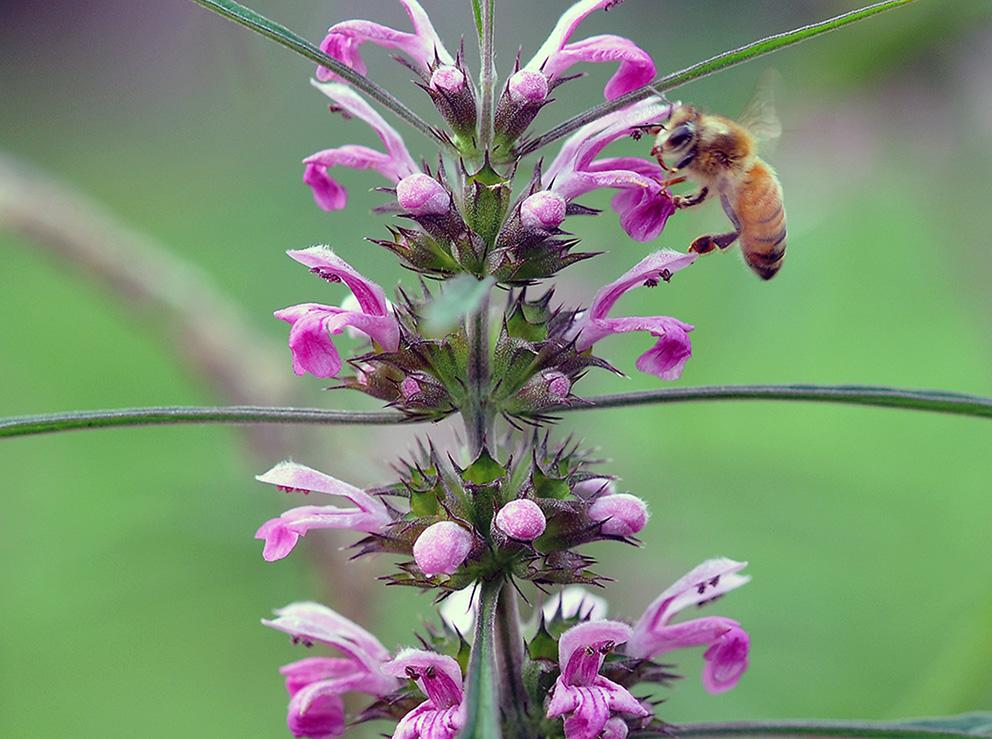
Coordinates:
(281, 534)
(314, 323)
(394, 164)
(441, 548)
(668, 356)
(344, 39)
(442, 715)
(521, 519)
(643, 204)
(622, 514)
(589, 699)
(316, 684)
(728, 644)
(556, 55)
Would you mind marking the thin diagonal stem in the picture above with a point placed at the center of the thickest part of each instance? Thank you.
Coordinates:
(806, 730)
(487, 75)
(294, 42)
(886, 397)
(707, 67)
(173, 415)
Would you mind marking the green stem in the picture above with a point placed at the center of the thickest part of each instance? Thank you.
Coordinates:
(884, 397)
(294, 42)
(803, 730)
(477, 414)
(482, 719)
(510, 661)
(74, 420)
(707, 67)
(487, 75)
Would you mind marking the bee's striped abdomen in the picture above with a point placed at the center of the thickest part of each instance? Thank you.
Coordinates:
(762, 220)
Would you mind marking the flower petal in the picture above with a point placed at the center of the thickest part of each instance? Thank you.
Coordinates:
(437, 675)
(710, 579)
(326, 264)
(580, 649)
(658, 266)
(292, 477)
(726, 661)
(564, 29)
(344, 39)
(636, 67)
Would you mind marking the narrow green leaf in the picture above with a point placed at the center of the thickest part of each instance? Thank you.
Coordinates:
(76, 420)
(967, 725)
(937, 401)
(280, 34)
(482, 719)
(461, 296)
(477, 16)
(923, 400)
(707, 67)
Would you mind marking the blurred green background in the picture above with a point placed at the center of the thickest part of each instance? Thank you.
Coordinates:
(130, 582)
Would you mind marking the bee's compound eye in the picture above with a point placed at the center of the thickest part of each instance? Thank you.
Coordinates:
(680, 136)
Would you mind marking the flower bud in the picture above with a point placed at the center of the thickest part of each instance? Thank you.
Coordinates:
(543, 210)
(449, 79)
(621, 514)
(441, 548)
(455, 102)
(544, 390)
(527, 87)
(422, 195)
(594, 487)
(521, 519)
(523, 97)
(409, 387)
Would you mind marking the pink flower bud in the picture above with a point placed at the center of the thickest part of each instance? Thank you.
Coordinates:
(521, 519)
(448, 79)
(544, 210)
(409, 387)
(422, 195)
(559, 386)
(528, 87)
(622, 514)
(441, 548)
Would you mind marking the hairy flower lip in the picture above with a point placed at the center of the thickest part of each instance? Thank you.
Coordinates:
(394, 164)
(556, 54)
(726, 658)
(344, 39)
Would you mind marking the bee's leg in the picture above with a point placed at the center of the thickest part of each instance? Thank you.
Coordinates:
(687, 201)
(709, 242)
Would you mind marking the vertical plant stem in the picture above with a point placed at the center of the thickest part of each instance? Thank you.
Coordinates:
(477, 414)
(487, 75)
(510, 661)
(481, 696)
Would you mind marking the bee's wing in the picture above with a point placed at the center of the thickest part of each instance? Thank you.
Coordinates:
(759, 115)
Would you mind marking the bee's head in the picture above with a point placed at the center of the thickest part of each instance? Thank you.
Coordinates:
(676, 144)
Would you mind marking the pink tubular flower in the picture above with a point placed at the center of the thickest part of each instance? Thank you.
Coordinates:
(438, 676)
(643, 204)
(668, 356)
(589, 699)
(727, 654)
(344, 39)
(556, 55)
(316, 684)
(394, 164)
(441, 548)
(622, 514)
(314, 323)
(282, 533)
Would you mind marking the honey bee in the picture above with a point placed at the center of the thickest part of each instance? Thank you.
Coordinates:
(720, 155)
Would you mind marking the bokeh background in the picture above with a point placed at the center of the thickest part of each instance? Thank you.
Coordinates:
(130, 582)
